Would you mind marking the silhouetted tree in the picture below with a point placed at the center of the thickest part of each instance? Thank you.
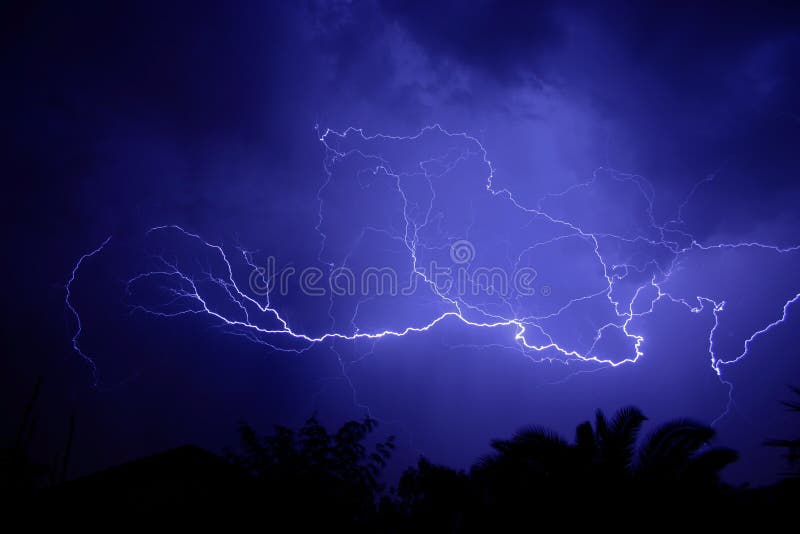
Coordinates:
(435, 497)
(19, 474)
(311, 477)
(792, 445)
(536, 469)
(676, 465)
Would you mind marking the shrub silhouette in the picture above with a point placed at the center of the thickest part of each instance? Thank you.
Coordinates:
(311, 477)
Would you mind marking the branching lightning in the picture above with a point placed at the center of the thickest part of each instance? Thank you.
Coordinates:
(233, 305)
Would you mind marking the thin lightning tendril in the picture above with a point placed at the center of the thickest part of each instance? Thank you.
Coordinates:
(68, 302)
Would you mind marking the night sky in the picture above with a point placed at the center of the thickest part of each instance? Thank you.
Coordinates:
(641, 158)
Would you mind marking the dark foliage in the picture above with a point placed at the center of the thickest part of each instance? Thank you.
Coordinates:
(538, 470)
(20, 475)
(310, 477)
(791, 445)
(434, 497)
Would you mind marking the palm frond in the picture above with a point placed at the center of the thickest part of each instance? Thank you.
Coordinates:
(620, 440)
(672, 444)
(706, 465)
(538, 434)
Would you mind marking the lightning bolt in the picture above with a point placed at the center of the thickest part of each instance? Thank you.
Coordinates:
(219, 296)
(68, 302)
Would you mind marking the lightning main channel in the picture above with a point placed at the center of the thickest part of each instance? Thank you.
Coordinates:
(229, 302)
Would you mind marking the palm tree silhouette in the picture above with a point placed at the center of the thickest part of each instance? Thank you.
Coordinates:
(603, 466)
(677, 453)
(610, 445)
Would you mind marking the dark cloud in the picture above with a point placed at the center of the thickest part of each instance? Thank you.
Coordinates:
(506, 39)
(685, 89)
